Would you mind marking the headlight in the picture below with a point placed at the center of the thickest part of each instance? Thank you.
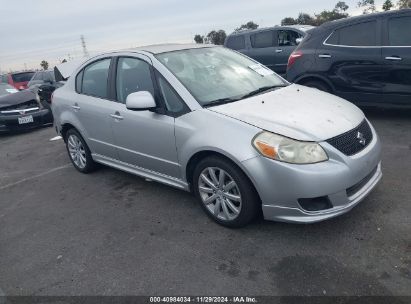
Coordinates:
(289, 150)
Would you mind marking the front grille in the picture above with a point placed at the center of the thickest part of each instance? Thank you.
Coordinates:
(354, 141)
(22, 106)
(358, 186)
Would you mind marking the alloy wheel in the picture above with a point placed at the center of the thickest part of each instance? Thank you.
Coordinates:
(77, 151)
(219, 193)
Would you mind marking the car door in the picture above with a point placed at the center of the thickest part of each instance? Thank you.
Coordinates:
(286, 44)
(397, 59)
(351, 59)
(264, 49)
(92, 107)
(144, 139)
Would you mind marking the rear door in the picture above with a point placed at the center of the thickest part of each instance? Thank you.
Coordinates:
(397, 59)
(351, 59)
(264, 48)
(93, 107)
(286, 44)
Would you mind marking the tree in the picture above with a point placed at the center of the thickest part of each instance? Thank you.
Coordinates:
(44, 64)
(288, 21)
(305, 19)
(341, 7)
(199, 39)
(217, 37)
(368, 5)
(388, 5)
(250, 25)
(404, 4)
(64, 60)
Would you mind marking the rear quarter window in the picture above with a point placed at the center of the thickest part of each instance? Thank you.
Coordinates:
(236, 42)
(262, 40)
(361, 34)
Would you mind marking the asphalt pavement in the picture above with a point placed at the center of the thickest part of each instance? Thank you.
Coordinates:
(112, 233)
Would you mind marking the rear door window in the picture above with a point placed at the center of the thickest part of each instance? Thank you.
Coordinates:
(361, 34)
(262, 40)
(95, 78)
(399, 31)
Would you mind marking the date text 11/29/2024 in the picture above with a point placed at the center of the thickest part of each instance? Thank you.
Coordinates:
(187, 299)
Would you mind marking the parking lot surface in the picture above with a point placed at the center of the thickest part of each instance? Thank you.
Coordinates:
(112, 233)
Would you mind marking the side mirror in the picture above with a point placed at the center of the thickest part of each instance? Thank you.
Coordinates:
(298, 40)
(140, 101)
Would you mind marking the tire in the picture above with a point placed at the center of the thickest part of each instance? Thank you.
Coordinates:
(317, 84)
(78, 152)
(233, 203)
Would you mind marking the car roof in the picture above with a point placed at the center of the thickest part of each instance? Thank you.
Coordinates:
(301, 27)
(164, 48)
(364, 17)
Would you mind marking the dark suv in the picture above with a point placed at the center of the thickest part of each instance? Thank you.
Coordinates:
(365, 59)
(269, 46)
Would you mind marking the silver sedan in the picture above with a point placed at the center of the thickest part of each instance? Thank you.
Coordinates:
(215, 122)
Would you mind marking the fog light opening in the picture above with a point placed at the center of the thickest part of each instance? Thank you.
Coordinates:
(315, 204)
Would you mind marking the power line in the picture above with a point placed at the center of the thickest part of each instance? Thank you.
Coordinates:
(83, 44)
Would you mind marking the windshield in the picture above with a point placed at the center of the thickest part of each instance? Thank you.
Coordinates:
(6, 89)
(22, 77)
(218, 75)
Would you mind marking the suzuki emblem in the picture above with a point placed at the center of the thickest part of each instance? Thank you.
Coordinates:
(361, 138)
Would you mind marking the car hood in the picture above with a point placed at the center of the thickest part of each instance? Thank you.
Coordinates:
(297, 112)
(17, 98)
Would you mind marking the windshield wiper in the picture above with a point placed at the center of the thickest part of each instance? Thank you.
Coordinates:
(261, 90)
(220, 101)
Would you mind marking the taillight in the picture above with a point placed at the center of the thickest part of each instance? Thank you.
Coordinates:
(293, 57)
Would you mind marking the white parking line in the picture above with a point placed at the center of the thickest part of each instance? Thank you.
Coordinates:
(55, 138)
(35, 176)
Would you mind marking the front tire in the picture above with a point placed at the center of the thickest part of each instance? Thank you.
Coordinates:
(225, 192)
(79, 152)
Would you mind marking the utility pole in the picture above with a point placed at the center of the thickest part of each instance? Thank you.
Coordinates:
(83, 44)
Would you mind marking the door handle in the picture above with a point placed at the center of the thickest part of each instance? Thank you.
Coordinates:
(278, 51)
(76, 107)
(324, 56)
(393, 58)
(117, 116)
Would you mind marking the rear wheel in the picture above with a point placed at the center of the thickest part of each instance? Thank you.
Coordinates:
(79, 152)
(225, 192)
(317, 84)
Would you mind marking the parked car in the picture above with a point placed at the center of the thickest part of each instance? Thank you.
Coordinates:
(44, 84)
(21, 110)
(365, 59)
(6, 89)
(17, 80)
(269, 46)
(211, 120)
(41, 77)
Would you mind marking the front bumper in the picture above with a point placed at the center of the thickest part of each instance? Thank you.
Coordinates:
(342, 181)
(10, 123)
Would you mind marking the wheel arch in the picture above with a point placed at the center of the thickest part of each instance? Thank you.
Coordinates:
(311, 77)
(199, 155)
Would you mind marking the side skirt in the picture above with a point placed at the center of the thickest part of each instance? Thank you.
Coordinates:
(158, 177)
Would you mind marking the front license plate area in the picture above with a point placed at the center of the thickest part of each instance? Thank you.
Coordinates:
(25, 119)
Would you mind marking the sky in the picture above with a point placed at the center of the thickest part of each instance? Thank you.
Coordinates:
(36, 30)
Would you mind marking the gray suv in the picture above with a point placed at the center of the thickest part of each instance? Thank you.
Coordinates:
(270, 46)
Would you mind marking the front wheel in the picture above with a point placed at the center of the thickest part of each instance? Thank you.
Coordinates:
(79, 152)
(225, 192)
